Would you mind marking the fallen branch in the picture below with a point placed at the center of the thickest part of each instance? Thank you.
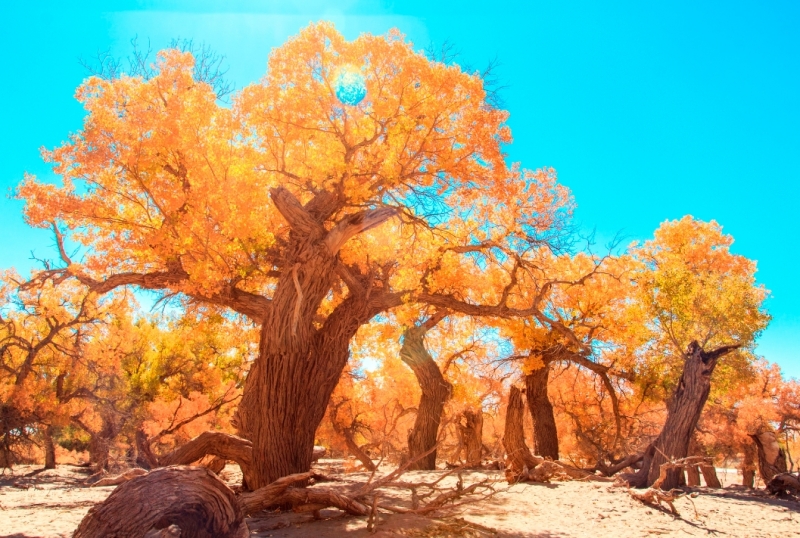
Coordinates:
(119, 479)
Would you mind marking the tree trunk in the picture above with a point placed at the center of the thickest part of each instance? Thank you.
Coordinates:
(771, 457)
(519, 455)
(435, 392)
(710, 476)
(49, 447)
(300, 358)
(298, 366)
(471, 436)
(749, 465)
(693, 476)
(192, 498)
(683, 412)
(545, 435)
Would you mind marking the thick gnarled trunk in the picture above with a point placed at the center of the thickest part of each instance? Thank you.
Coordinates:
(683, 412)
(545, 434)
(771, 457)
(435, 392)
(301, 357)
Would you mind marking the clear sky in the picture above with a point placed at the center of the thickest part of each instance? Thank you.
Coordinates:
(648, 110)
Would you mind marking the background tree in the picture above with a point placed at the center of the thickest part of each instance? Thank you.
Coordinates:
(701, 303)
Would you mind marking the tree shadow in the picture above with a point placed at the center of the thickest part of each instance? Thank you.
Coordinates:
(748, 495)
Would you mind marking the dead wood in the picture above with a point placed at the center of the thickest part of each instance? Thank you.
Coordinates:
(654, 497)
(318, 498)
(193, 498)
(119, 479)
(173, 531)
(222, 445)
(262, 498)
(784, 484)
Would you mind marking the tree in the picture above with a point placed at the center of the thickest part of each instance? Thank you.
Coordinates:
(290, 206)
(700, 303)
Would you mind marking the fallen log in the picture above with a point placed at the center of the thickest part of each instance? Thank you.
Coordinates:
(784, 484)
(191, 498)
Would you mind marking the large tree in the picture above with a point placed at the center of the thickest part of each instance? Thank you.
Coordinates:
(354, 177)
(698, 303)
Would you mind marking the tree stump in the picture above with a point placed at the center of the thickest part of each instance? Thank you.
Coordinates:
(771, 457)
(192, 498)
(692, 476)
(519, 456)
(710, 476)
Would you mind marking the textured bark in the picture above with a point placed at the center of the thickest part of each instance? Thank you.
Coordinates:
(299, 364)
(771, 457)
(192, 498)
(545, 435)
(683, 412)
(748, 468)
(519, 456)
(49, 448)
(435, 392)
(471, 433)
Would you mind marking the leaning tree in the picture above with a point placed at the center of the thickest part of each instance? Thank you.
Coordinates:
(354, 177)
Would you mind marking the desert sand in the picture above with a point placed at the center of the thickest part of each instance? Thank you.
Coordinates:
(52, 503)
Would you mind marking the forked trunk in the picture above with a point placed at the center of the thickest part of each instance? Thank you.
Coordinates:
(519, 456)
(545, 435)
(771, 457)
(301, 352)
(749, 465)
(683, 412)
(435, 392)
(471, 436)
(49, 448)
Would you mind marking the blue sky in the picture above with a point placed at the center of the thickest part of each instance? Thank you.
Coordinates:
(648, 110)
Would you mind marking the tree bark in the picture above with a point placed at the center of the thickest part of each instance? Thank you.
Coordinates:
(471, 433)
(519, 456)
(435, 392)
(192, 498)
(222, 445)
(298, 366)
(749, 465)
(771, 457)
(49, 447)
(693, 476)
(710, 476)
(545, 434)
(683, 412)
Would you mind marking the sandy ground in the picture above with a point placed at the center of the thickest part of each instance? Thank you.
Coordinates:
(52, 503)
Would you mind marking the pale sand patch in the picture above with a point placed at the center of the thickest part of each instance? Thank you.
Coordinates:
(52, 503)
